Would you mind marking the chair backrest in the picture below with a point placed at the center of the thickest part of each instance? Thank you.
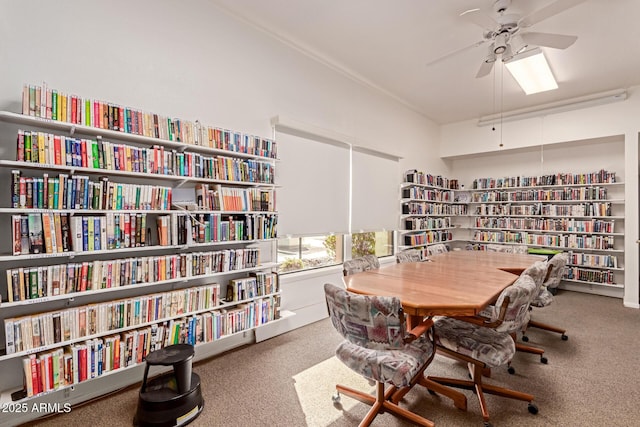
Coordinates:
(538, 272)
(373, 322)
(410, 255)
(438, 248)
(556, 267)
(520, 249)
(358, 265)
(517, 298)
(492, 247)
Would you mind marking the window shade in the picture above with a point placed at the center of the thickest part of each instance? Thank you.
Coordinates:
(376, 186)
(313, 193)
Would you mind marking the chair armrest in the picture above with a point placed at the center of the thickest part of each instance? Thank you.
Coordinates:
(419, 330)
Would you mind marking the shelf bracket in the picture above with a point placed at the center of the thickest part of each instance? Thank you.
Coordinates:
(72, 130)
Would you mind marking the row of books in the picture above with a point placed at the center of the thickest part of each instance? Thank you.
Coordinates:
(581, 193)
(79, 362)
(80, 192)
(41, 101)
(564, 224)
(49, 149)
(260, 284)
(417, 177)
(571, 241)
(52, 232)
(541, 209)
(427, 237)
(596, 276)
(600, 177)
(188, 228)
(27, 283)
(30, 332)
(593, 260)
(218, 197)
(429, 208)
(423, 193)
(427, 223)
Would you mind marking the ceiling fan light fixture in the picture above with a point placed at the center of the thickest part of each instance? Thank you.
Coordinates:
(517, 44)
(500, 43)
(532, 72)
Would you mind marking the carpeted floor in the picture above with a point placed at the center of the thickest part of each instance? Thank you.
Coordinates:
(591, 379)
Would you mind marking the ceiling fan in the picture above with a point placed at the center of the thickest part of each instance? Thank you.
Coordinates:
(507, 35)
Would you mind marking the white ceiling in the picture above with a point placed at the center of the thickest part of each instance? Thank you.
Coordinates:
(387, 44)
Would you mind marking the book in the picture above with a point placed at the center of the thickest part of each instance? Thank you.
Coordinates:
(36, 234)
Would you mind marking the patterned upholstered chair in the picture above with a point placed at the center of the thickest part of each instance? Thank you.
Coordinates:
(494, 247)
(358, 265)
(378, 347)
(520, 249)
(410, 255)
(544, 298)
(438, 248)
(538, 272)
(485, 343)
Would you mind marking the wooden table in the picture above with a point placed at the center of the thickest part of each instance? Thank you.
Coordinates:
(458, 283)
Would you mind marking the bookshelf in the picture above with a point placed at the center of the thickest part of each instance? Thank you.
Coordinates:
(428, 207)
(126, 232)
(582, 214)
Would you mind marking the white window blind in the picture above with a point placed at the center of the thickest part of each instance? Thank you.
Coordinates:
(376, 182)
(313, 193)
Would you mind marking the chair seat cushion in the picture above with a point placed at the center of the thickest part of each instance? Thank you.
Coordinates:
(397, 367)
(481, 343)
(543, 299)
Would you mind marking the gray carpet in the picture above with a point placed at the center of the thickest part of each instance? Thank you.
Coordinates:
(591, 380)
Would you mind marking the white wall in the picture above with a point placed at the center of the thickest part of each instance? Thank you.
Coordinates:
(192, 61)
(613, 124)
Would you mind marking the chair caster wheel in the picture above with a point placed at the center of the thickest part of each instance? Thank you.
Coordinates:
(544, 360)
(564, 337)
(511, 370)
(336, 398)
(525, 338)
(532, 408)
(487, 424)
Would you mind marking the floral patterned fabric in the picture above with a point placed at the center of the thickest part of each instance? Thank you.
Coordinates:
(374, 331)
(557, 264)
(438, 248)
(543, 299)
(358, 265)
(411, 255)
(481, 343)
(520, 294)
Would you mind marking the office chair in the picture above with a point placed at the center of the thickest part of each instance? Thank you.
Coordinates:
(538, 272)
(545, 296)
(358, 265)
(485, 343)
(410, 255)
(378, 347)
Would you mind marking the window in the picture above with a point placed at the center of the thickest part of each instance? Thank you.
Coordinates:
(378, 243)
(302, 253)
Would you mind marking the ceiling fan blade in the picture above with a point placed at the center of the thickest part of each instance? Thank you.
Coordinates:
(455, 52)
(481, 19)
(556, 41)
(547, 12)
(485, 69)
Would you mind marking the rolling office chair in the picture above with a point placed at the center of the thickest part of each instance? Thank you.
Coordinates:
(378, 347)
(485, 343)
(410, 255)
(545, 296)
(358, 265)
